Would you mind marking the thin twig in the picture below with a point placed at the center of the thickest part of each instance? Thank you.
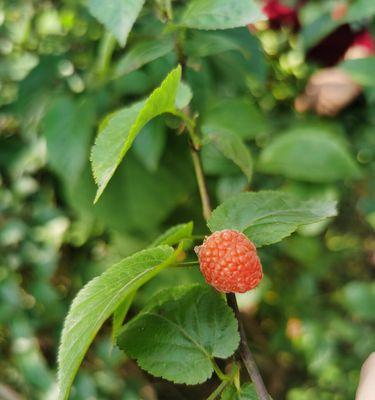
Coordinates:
(245, 353)
(244, 350)
(218, 390)
(201, 184)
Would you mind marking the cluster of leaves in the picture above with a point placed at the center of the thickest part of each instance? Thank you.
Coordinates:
(54, 95)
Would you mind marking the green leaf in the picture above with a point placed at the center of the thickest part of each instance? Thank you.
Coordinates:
(360, 9)
(203, 44)
(118, 131)
(120, 314)
(310, 154)
(142, 53)
(361, 70)
(228, 186)
(118, 16)
(238, 115)
(150, 143)
(174, 235)
(178, 338)
(68, 125)
(359, 299)
(97, 301)
(232, 147)
(312, 33)
(220, 14)
(246, 392)
(184, 95)
(266, 217)
(215, 163)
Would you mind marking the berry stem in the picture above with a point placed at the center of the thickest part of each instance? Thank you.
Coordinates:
(245, 353)
(244, 350)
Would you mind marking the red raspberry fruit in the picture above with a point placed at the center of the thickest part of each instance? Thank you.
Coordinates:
(229, 262)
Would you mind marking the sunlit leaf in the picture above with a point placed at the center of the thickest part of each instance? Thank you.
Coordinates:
(267, 217)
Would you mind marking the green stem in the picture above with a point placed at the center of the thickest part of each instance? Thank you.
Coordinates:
(189, 263)
(106, 48)
(201, 184)
(218, 390)
(219, 372)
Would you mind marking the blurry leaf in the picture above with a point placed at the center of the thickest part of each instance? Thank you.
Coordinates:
(150, 143)
(184, 95)
(120, 314)
(310, 154)
(17, 66)
(359, 299)
(361, 70)
(228, 186)
(118, 16)
(67, 127)
(238, 115)
(203, 44)
(360, 9)
(215, 163)
(267, 217)
(174, 235)
(312, 33)
(232, 147)
(220, 14)
(97, 301)
(118, 131)
(142, 53)
(247, 392)
(178, 338)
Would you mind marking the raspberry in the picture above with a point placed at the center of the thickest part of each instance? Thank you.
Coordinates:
(229, 262)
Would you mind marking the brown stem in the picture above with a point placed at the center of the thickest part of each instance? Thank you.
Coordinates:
(244, 350)
(245, 353)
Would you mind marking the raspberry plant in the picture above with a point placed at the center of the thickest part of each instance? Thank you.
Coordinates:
(185, 332)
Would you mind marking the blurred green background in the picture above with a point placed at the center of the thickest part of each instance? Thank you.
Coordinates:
(311, 322)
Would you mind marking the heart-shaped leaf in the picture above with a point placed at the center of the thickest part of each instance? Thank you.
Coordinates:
(178, 338)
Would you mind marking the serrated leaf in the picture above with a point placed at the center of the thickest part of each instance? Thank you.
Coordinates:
(120, 314)
(246, 392)
(310, 154)
(177, 339)
(142, 53)
(174, 235)
(118, 131)
(97, 301)
(220, 14)
(267, 217)
(361, 70)
(118, 16)
(232, 147)
(238, 115)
